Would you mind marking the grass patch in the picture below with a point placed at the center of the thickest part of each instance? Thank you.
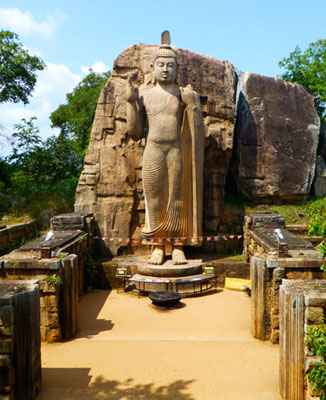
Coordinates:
(228, 258)
(311, 213)
(12, 219)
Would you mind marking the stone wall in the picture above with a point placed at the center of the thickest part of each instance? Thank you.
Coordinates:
(251, 243)
(83, 245)
(20, 346)
(71, 251)
(259, 238)
(302, 304)
(58, 303)
(13, 236)
(110, 185)
(266, 273)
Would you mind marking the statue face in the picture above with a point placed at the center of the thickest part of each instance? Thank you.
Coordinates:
(165, 69)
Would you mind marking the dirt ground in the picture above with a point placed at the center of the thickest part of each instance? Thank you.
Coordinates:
(127, 349)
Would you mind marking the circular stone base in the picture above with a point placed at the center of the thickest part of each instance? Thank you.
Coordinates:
(170, 270)
(164, 298)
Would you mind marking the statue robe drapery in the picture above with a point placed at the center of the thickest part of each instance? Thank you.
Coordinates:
(182, 210)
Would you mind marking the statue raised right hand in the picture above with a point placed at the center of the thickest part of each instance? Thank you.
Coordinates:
(131, 91)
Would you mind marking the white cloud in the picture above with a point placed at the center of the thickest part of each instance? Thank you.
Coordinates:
(23, 23)
(55, 79)
(53, 84)
(98, 66)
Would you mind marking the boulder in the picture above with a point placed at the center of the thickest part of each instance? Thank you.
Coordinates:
(110, 185)
(276, 139)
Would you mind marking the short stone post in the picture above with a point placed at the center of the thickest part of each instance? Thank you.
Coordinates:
(20, 343)
(260, 321)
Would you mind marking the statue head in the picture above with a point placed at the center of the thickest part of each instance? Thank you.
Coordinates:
(165, 65)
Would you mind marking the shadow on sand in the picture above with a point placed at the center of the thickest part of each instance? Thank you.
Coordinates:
(75, 383)
(89, 309)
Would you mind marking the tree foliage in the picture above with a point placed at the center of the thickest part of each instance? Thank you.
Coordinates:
(44, 172)
(75, 118)
(17, 69)
(41, 163)
(309, 69)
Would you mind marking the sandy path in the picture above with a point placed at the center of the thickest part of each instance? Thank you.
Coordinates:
(128, 350)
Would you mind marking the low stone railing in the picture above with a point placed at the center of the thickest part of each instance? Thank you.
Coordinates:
(20, 346)
(13, 236)
(269, 264)
(59, 267)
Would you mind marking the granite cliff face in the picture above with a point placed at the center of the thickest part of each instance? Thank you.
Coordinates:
(111, 183)
(276, 140)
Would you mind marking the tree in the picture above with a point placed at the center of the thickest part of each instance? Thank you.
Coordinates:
(17, 69)
(309, 69)
(41, 171)
(54, 161)
(75, 118)
(26, 138)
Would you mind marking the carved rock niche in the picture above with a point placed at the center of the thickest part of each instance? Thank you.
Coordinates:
(110, 185)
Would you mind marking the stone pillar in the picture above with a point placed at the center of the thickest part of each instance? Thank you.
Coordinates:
(69, 314)
(302, 304)
(20, 342)
(260, 322)
(291, 342)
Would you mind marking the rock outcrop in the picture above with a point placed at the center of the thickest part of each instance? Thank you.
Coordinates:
(111, 182)
(276, 140)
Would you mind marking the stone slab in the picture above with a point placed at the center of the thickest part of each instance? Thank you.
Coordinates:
(69, 221)
(170, 270)
(60, 239)
(265, 237)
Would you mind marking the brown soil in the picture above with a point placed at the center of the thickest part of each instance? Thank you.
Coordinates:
(128, 349)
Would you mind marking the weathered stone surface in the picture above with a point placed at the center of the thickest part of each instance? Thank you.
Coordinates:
(11, 237)
(314, 315)
(69, 222)
(260, 304)
(319, 185)
(291, 343)
(265, 219)
(111, 183)
(20, 346)
(295, 358)
(276, 139)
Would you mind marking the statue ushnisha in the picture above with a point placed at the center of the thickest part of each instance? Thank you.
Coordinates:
(173, 159)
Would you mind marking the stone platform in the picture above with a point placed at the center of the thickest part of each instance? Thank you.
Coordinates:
(168, 269)
(187, 285)
(223, 267)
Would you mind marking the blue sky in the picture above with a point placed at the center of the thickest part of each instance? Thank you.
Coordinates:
(72, 36)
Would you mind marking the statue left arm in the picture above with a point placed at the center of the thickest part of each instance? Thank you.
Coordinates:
(135, 112)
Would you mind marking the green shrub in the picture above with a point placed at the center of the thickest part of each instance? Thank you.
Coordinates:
(316, 342)
(316, 211)
(54, 280)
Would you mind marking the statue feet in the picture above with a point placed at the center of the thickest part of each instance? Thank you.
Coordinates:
(178, 256)
(157, 256)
